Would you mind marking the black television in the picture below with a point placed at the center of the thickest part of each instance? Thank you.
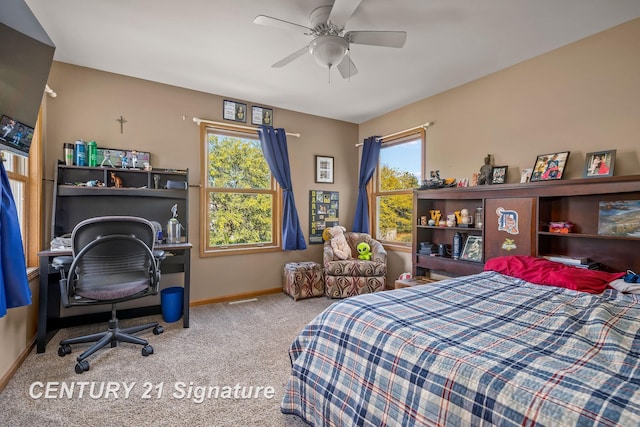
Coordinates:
(25, 61)
(15, 136)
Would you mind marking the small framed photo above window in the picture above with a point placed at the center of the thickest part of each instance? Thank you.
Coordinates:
(599, 163)
(261, 116)
(549, 166)
(234, 111)
(324, 169)
(472, 249)
(499, 174)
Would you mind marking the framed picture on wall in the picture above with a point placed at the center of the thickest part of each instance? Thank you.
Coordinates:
(234, 111)
(599, 163)
(261, 116)
(324, 169)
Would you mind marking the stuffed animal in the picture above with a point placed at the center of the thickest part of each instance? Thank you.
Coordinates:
(364, 251)
(341, 249)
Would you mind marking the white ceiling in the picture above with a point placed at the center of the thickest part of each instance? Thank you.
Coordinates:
(213, 46)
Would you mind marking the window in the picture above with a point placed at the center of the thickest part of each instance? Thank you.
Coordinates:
(240, 200)
(18, 172)
(400, 171)
(25, 179)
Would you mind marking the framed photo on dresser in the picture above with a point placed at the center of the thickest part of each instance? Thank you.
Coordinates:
(549, 166)
(599, 163)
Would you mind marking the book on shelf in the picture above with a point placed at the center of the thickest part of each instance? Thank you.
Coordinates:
(568, 260)
(589, 266)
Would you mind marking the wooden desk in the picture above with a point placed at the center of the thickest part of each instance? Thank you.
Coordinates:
(49, 320)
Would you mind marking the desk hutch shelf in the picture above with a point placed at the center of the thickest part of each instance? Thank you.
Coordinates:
(75, 201)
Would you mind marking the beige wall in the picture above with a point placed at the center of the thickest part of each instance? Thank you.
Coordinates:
(580, 98)
(159, 120)
(17, 333)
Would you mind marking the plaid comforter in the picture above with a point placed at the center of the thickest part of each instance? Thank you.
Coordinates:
(486, 349)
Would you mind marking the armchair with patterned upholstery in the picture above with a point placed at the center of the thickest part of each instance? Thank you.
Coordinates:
(349, 277)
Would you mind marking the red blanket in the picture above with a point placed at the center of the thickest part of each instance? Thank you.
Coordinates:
(544, 272)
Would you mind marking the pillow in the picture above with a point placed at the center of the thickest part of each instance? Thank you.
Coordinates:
(625, 287)
(544, 272)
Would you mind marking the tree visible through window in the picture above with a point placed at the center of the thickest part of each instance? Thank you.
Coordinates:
(399, 172)
(240, 211)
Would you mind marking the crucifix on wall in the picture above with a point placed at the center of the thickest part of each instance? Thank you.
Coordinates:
(122, 121)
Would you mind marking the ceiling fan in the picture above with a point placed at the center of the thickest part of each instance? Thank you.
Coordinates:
(330, 43)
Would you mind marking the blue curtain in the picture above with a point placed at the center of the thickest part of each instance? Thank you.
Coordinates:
(370, 154)
(14, 286)
(274, 147)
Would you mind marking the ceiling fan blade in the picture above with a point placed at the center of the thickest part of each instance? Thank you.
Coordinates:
(295, 55)
(347, 68)
(377, 38)
(279, 23)
(342, 11)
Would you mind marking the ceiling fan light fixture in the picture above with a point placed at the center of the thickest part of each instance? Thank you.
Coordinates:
(328, 50)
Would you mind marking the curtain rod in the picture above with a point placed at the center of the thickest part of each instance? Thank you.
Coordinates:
(50, 91)
(251, 128)
(424, 126)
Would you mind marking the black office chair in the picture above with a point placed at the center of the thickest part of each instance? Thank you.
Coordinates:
(113, 261)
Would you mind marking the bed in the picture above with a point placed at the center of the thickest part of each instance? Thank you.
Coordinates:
(486, 349)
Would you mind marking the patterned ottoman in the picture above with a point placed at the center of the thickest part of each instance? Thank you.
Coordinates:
(303, 280)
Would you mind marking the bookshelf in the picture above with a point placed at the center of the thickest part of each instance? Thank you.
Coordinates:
(535, 205)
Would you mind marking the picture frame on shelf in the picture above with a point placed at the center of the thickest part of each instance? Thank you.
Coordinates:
(549, 166)
(618, 218)
(261, 116)
(499, 174)
(234, 111)
(599, 163)
(525, 175)
(472, 250)
(324, 169)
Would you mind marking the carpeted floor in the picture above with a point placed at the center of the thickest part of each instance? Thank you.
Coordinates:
(231, 348)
